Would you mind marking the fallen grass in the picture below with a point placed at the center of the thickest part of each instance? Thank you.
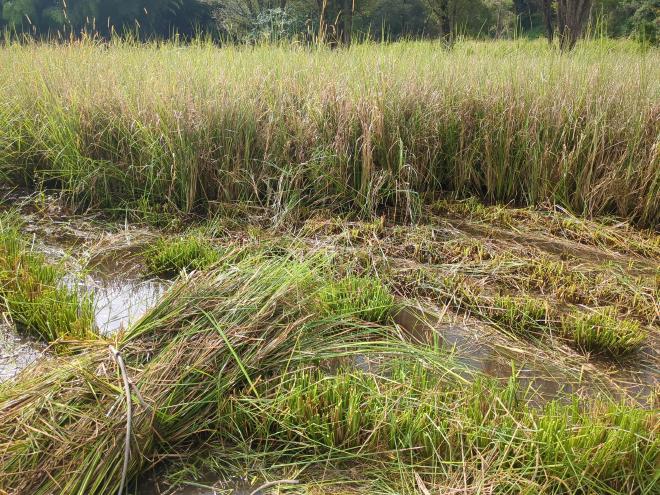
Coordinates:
(602, 331)
(412, 426)
(229, 357)
(614, 235)
(208, 336)
(34, 293)
(391, 124)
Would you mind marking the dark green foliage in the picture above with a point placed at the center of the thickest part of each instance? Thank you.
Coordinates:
(145, 17)
(343, 20)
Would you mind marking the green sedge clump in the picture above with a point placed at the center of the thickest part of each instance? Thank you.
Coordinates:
(35, 295)
(363, 297)
(519, 314)
(168, 257)
(601, 331)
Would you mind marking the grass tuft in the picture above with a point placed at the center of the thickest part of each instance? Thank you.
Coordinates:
(35, 294)
(601, 331)
(521, 314)
(363, 297)
(171, 256)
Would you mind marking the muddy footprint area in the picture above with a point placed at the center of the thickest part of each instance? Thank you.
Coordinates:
(449, 277)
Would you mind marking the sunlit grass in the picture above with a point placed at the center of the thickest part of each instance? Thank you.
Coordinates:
(361, 297)
(388, 124)
(602, 331)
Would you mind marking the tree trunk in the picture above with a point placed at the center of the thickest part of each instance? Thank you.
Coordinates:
(441, 10)
(572, 16)
(347, 22)
(445, 21)
(547, 17)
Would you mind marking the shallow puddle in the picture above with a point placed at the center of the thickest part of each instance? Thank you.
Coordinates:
(120, 302)
(208, 485)
(121, 294)
(16, 352)
(545, 377)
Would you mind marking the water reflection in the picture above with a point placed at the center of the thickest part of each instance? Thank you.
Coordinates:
(122, 302)
(16, 352)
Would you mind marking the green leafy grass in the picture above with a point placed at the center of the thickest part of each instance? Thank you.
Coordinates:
(521, 314)
(411, 421)
(363, 297)
(602, 331)
(35, 295)
(171, 256)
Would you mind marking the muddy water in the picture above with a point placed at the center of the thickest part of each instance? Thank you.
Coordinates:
(489, 354)
(539, 372)
(208, 485)
(16, 352)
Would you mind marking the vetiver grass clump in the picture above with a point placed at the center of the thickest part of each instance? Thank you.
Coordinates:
(602, 331)
(389, 124)
(362, 297)
(173, 255)
(34, 292)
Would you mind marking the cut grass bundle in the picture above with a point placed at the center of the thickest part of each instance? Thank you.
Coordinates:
(602, 331)
(171, 256)
(362, 297)
(35, 295)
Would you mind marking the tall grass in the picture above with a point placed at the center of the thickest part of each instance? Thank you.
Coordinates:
(283, 126)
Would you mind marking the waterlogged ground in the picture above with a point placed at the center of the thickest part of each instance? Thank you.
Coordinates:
(459, 252)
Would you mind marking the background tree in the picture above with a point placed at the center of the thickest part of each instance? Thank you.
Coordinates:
(336, 22)
(572, 17)
(445, 12)
(548, 18)
(147, 17)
